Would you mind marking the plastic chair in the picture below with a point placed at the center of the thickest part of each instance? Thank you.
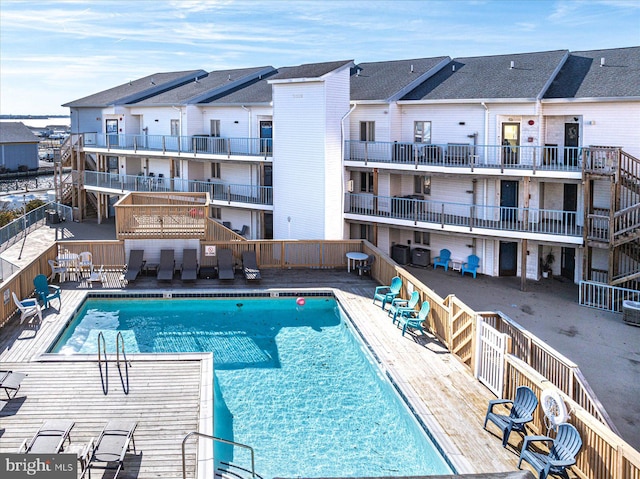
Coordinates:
(410, 319)
(45, 291)
(562, 453)
(365, 267)
(58, 269)
(85, 261)
(442, 260)
(28, 308)
(386, 294)
(521, 412)
(398, 305)
(471, 266)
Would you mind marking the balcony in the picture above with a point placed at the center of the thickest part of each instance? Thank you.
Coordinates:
(219, 192)
(537, 158)
(464, 218)
(190, 146)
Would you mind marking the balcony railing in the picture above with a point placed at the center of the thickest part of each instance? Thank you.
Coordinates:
(196, 144)
(525, 220)
(250, 194)
(548, 158)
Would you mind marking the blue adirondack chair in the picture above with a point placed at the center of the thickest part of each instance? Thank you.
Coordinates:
(443, 259)
(45, 291)
(522, 408)
(398, 305)
(386, 294)
(414, 320)
(471, 266)
(562, 453)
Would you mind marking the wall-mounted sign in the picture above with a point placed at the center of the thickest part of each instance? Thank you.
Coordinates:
(210, 250)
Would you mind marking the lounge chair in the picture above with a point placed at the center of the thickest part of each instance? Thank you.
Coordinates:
(45, 291)
(29, 308)
(11, 381)
(167, 265)
(521, 412)
(109, 450)
(225, 264)
(562, 453)
(442, 260)
(250, 266)
(409, 319)
(398, 305)
(471, 266)
(134, 267)
(49, 439)
(386, 294)
(189, 268)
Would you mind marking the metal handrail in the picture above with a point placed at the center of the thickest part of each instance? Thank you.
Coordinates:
(120, 345)
(104, 348)
(219, 439)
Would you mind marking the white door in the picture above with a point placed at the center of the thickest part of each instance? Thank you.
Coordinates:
(492, 346)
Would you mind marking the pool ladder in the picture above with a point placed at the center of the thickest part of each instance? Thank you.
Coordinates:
(102, 351)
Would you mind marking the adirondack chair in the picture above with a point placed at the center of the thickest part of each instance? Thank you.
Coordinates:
(521, 412)
(398, 305)
(471, 266)
(386, 294)
(442, 260)
(408, 319)
(562, 453)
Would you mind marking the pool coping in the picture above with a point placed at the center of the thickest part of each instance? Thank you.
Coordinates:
(411, 400)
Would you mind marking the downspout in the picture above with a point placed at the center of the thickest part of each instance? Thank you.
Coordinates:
(485, 195)
(248, 110)
(342, 158)
(179, 140)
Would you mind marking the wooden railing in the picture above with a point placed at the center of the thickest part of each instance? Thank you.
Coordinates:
(110, 254)
(217, 232)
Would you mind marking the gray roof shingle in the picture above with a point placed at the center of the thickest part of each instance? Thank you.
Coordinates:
(491, 77)
(385, 80)
(16, 132)
(136, 90)
(309, 70)
(583, 77)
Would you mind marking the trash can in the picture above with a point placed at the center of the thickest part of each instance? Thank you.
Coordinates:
(631, 312)
(53, 218)
(400, 253)
(420, 257)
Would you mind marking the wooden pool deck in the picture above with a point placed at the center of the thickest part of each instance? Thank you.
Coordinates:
(170, 397)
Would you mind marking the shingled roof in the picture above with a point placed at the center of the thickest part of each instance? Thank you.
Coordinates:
(137, 90)
(387, 81)
(523, 76)
(309, 70)
(16, 132)
(582, 76)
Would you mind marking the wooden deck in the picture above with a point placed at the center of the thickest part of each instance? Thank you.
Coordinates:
(169, 400)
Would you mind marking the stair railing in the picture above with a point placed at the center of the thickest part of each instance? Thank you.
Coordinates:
(215, 439)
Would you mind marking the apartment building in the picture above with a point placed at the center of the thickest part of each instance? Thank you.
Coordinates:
(508, 157)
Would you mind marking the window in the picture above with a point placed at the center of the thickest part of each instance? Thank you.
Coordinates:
(176, 169)
(112, 164)
(422, 237)
(175, 127)
(422, 132)
(215, 127)
(215, 170)
(422, 185)
(216, 213)
(365, 232)
(367, 131)
(366, 182)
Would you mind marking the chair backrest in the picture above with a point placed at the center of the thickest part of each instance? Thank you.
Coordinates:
(567, 443)
(525, 403)
(445, 254)
(396, 284)
(244, 230)
(413, 300)
(135, 258)
(370, 259)
(249, 259)
(190, 258)
(86, 257)
(17, 301)
(225, 258)
(473, 261)
(424, 311)
(41, 284)
(166, 258)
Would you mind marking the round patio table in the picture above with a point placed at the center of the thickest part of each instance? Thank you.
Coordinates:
(355, 256)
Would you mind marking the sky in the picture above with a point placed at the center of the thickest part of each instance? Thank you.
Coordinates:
(54, 52)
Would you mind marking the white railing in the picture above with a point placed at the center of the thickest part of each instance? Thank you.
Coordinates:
(605, 297)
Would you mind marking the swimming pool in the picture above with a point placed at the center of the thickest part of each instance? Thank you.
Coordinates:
(293, 382)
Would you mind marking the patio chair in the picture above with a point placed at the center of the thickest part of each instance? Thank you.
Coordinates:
(135, 264)
(11, 381)
(85, 261)
(57, 268)
(45, 291)
(562, 453)
(250, 266)
(398, 304)
(112, 445)
(471, 266)
(29, 308)
(49, 439)
(442, 260)
(167, 265)
(414, 319)
(521, 412)
(243, 232)
(366, 265)
(225, 264)
(386, 294)
(189, 268)
(96, 276)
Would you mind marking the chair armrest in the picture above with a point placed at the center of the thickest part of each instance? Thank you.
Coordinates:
(495, 402)
(399, 302)
(29, 302)
(561, 463)
(530, 439)
(54, 288)
(521, 420)
(382, 289)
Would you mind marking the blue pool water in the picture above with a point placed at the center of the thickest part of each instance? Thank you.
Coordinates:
(292, 382)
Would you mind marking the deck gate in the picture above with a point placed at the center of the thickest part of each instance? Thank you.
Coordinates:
(490, 363)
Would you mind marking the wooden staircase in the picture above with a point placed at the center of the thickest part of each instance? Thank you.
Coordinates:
(616, 229)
